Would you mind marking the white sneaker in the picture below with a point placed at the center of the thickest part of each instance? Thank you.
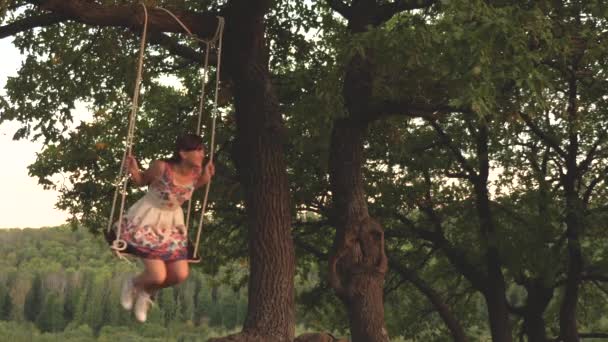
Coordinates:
(127, 294)
(142, 304)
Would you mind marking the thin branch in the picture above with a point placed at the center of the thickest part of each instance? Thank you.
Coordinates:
(455, 256)
(455, 150)
(29, 23)
(433, 296)
(584, 165)
(175, 48)
(600, 287)
(597, 180)
(390, 289)
(549, 140)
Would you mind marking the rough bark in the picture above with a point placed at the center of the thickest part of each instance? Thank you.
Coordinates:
(261, 165)
(358, 263)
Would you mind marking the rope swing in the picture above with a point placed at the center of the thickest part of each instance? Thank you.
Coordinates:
(118, 245)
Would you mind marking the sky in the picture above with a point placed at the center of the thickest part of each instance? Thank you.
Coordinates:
(23, 203)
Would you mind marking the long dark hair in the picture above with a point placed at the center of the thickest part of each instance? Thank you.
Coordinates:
(186, 142)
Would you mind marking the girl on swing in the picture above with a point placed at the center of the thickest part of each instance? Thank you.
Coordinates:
(154, 227)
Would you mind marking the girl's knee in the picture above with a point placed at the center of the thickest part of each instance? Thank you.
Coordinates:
(180, 275)
(177, 274)
(157, 278)
(155, 272)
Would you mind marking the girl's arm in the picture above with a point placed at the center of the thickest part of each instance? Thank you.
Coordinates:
(206, 176)
(144, 178)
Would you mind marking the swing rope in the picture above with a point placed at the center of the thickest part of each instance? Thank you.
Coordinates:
(209, 44)
(118, 244)
(220, 29)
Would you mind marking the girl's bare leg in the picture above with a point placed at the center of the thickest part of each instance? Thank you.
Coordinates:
(153, 276)
(177, 272)
(146, 285)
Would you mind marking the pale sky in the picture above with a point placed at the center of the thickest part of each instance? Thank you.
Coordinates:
(23, 203)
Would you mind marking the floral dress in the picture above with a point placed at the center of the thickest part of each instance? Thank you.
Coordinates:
(153, 227)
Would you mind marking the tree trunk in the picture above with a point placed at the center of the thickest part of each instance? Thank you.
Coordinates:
(567, 315)
(567, 318)
(495, 290)
(260, 162)
(539, 297)
(358, 263)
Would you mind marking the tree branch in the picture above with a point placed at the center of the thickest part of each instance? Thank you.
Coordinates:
(549, 140)
(131, 16)
(456, 257)
(456, 151)
(434, 297)
(600, 287)
(29, 23)
(591, 154)
(594, 182)
(175, 48)
(387, 11)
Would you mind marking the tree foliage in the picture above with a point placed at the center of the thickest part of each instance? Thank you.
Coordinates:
(486, 159)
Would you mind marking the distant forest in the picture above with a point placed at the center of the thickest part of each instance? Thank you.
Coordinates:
(64, 283)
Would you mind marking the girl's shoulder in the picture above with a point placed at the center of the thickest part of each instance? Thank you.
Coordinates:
(158, 168)
(159, 165)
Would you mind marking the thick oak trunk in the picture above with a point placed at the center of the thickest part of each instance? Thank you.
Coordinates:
(261, 165)
(358, 262)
